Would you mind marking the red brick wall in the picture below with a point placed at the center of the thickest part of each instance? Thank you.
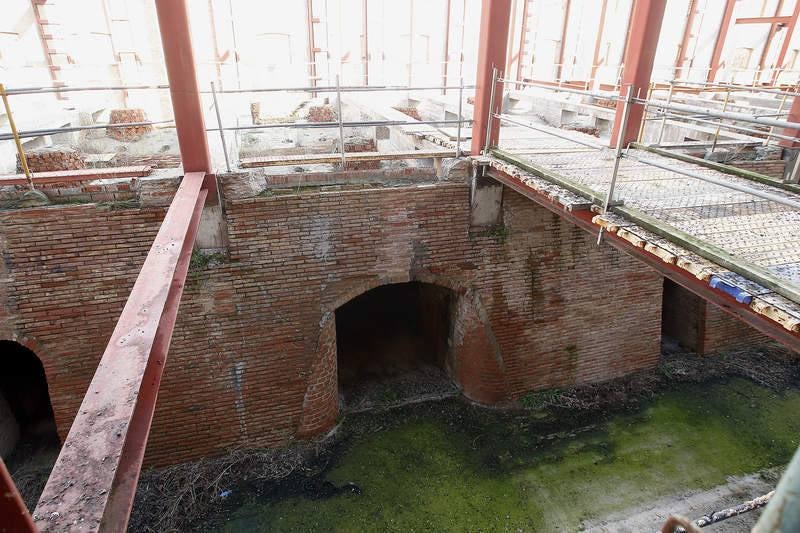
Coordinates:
(545, 306)
(723, 332)
(701, 326)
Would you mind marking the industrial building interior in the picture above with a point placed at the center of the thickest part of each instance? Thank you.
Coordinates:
(384, 265)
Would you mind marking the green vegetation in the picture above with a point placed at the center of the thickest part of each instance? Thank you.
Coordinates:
(201, 261)
(452, 467)
(498, 232)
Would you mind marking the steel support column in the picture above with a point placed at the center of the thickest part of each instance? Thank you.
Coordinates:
(719, 45)
(640, 53)
(794, 116)
(173, 19)
(785, 45)
(492, 49)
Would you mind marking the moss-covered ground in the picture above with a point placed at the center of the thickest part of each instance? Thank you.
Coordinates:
(450, 466)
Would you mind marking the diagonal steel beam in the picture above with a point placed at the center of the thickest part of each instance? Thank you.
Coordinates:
(94, 479)
(15, 516)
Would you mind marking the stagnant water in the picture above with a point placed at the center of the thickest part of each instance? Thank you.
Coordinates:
(452, 467)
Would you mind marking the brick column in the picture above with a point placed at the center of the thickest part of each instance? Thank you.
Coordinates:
(640, 53)
(492, 50)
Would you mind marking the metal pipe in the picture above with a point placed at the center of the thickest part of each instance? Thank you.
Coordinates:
(341, 127)
(301, 125)
(458, 128)
(729, 185)
(548, 130)
(724, 108)
(561, 89)
(23, 161)
(780, 110)
(372, 88)
(345, 89)
(747, 88)
(626, 109)
(56, 131)
(46, 90)
(664, 118)
(491, 112)
(730, 126)
(221, 131)
(741, 117)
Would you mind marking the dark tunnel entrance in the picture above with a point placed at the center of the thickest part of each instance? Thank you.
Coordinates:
(27, 424)
(392, 344)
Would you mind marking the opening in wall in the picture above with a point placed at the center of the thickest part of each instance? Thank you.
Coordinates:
(393, 344)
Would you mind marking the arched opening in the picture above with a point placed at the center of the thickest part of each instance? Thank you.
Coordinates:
(393, 343)
(27, 425)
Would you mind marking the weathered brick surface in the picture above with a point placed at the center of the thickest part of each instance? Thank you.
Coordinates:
(250, 361)
(701, 326)
(769, 167)
(723, 332)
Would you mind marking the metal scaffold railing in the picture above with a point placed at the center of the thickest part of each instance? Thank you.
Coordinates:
(216, 94)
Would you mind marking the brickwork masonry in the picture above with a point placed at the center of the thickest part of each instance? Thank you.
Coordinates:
(253, 356)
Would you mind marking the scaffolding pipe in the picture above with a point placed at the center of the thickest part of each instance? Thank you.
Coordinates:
(221, 131)
(460, 105)
(506, 118)
(741, 117)
(626, 109)
(46, 90)
(56, 131)
(23, 161)
(730, 185)
(341, 127)
(727, 126)
(491, 112)
(724, 108)
(664, 118)
(561, 89)
(722, 183)
(735, 86)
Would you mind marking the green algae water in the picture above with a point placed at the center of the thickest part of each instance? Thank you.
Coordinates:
(455, 467)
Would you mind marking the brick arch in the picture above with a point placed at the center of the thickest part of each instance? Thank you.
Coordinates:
(24, 392)
(475, 361)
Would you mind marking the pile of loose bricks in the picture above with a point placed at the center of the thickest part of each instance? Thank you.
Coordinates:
(321, 113)
(52, 160)
(128, 116)
(410, 111)
(358, 145)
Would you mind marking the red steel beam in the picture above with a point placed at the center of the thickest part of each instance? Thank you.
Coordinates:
(15, 516)
(492, 48)
(561, 45)
(446, 50)
(794, 116)
(94, 479)
(523, 32)
(687, 34)
(640, 54)
(764, 20)
(786, 42)
(598, 42)
(773, 29)
(583, 219)
(719, 45)
(173, 20)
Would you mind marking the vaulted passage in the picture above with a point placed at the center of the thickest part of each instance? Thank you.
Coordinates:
(394, 334)
(26, 416)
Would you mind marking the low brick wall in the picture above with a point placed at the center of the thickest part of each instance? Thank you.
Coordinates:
(252, 359)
